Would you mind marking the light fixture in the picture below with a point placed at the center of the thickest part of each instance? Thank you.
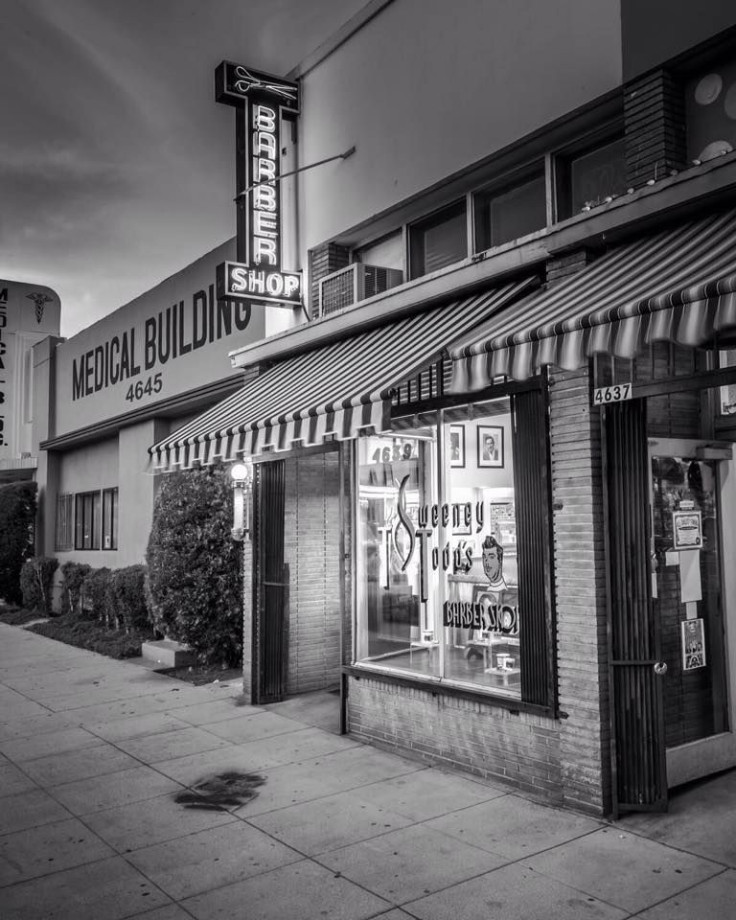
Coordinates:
(241, 474)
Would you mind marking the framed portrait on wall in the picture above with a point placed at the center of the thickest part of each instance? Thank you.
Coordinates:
(490, 446)
(457, 446)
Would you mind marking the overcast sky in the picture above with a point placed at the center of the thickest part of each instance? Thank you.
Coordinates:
(116, 164)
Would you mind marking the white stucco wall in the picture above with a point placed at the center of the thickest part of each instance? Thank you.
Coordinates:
(425, 89)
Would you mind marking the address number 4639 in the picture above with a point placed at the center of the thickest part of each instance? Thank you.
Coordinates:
(618, 393)
(140, 389)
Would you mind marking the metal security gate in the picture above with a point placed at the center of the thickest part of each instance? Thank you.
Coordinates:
(272, 580)
(636, 669)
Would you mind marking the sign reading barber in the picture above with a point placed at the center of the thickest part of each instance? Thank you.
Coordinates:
(261, 100)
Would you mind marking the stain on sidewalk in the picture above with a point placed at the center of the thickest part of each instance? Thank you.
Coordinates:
(222, 791)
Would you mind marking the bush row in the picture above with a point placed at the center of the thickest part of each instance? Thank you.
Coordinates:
(190, 589)
(115, 598)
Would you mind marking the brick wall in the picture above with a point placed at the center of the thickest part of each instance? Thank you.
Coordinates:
(654, 119)
(497, 744)
(323, 260)
(563, 266)
(311, 550)
(580, 591)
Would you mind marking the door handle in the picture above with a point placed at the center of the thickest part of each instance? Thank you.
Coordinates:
(660, 668)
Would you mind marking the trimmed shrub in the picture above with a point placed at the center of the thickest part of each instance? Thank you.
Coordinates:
(98, 599)
(17, 524)
(194, 567)
(129, 591)
(72, 579)
(36, 583)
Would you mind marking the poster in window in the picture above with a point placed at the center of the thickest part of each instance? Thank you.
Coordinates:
(693, 644)
(457, 446)
(687, 528)
(490, 446)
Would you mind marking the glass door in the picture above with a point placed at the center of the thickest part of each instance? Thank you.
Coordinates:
(692, 518)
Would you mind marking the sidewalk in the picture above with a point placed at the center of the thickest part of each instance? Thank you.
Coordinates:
(291, 822)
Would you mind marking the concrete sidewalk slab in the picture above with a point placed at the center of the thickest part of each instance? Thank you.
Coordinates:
(513, 893)
(638, 873)
(300, 890)
(128, 794)
(98, 793)
(211, 859)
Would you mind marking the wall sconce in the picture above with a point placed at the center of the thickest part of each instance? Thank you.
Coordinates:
(242, 482)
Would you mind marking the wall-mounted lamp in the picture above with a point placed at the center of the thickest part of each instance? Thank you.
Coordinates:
(242, 481)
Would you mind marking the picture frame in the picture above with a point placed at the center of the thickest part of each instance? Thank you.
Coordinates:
(692, 637)
(490, 447)
(457, 447)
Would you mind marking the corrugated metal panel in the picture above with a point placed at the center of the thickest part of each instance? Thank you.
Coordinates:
(638, 723)
(531, 480)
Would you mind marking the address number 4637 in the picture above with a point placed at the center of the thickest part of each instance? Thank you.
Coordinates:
(618, 393)
(140, 389)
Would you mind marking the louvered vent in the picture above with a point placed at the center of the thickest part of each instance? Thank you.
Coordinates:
(354, 283)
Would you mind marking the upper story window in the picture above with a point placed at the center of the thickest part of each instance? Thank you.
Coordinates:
(508, 212)
(439, 240)
(388, 252)
(710, 111)
(589, 176)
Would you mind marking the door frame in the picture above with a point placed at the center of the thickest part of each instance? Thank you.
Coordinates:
(706, 756)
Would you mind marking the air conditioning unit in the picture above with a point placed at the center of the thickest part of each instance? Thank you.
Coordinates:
(354, 283)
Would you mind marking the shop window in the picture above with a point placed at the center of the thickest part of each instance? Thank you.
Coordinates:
(510, 212)
(589, 176)
(87, 510)
(64, 522)
(110, 519)
(438, 241)
(710, 111)
(444, 592)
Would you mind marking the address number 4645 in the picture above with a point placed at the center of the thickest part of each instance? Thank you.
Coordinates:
(618, 393)
(140, 389)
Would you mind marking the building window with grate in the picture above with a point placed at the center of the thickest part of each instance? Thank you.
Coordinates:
(88, 506)
(110, 519)
(64, 522)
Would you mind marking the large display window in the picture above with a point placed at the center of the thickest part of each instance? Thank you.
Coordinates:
(437, 553)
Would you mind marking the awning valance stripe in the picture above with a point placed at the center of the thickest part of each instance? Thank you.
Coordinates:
(678, 285)
(333, 391)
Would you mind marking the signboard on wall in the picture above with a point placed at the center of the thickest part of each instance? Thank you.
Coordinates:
(171, 340)
(28, 314)
(261, 100)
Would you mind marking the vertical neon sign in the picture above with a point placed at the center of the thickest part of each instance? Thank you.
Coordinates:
(260, 100)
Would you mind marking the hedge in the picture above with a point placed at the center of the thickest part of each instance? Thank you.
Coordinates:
(73, 575)
(17, 525)
(36, 583)
(195, 568)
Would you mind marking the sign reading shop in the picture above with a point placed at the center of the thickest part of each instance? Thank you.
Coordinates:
(260, 100)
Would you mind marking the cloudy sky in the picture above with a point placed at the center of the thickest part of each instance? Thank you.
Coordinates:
(116, 165)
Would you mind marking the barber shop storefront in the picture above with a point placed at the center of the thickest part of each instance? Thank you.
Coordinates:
(524, 526)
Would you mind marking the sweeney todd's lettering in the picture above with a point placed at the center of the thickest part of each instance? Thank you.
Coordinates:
(178, 330)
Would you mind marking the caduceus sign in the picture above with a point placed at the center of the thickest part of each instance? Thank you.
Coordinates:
(260, 100)
(40, 299)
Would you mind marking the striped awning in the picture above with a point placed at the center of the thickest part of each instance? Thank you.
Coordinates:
(676, 286)
(333, 391)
